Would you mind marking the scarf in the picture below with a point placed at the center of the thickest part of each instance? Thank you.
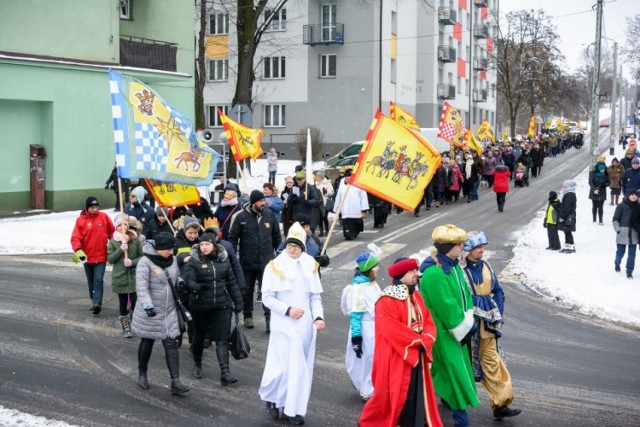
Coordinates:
(467, 168)
(160, 261)
(230, 202)
(441, 260)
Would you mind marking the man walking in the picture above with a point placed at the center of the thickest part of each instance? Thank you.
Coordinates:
(89, 240)
(255, 234)
(488, 307)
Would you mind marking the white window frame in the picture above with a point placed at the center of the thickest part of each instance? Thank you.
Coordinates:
(125, 9)
(279, 23)
(269, 63)
(329, 26)
(213, 119)
(214, 23)
(214, 67)
(274, 115)
(325, 66)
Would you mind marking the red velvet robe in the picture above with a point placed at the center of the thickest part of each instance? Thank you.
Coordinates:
(395, 354)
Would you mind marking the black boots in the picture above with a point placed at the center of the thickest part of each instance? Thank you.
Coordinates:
(222, 351)
(197, 370)
(144, 354)
(173, 363)
(504, 412)
(267, 322)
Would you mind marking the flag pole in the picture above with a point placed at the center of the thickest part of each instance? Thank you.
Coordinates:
(308, 166)
(335, 219)
(122, 215)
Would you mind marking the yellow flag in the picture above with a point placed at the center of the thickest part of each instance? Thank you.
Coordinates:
(559, 126)
(171, 195)
(471, 142)
(505, 135)
(451, 127)
(549, 123)
(579, 124)
(532, 127)
(403, 117)
(485, 131)
(243, 140)
(395, 163)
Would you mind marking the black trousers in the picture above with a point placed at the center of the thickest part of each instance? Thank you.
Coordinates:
(552, 234)
(213, 323)
(250, 278)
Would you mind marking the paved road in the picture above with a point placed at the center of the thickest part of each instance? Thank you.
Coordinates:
(61, 362)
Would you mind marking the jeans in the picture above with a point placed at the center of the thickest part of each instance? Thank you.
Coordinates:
(460, 418)
(631, 256)
(474, 190)
(95, 279)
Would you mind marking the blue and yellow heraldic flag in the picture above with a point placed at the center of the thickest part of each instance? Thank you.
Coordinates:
(154, 140)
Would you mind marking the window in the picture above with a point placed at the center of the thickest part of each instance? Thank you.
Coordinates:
(274, 115)
(328, 22)
(394, 70)
(274, 67)
(328, 65)
(125, 9)
(213, 119)
(459, 85)
(279, 22)
(219, 70)
(219, 23)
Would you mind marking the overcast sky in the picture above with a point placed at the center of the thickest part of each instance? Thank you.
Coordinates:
(575, 22)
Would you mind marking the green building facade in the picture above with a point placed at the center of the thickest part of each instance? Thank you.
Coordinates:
(54, 88)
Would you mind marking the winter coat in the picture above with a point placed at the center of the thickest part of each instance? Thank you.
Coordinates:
(440, 179)
(626, 162)
(123, 279)
(623, 221)
(224, 214)
(235, 263)
(142, 212)
(598, 186)
(91, 234)
(256, 238)
(509, 159)
(183, 248)
(490, 164)
(457, 180)
(156, 227)
(631, 180)
(501, 179)
(551, 215)
(537, 157)
(153, 288)
(304, 203)
(325, 189)
(272, 162)
(212, 281)
(275, 204)
(567, 207)
(615, 176)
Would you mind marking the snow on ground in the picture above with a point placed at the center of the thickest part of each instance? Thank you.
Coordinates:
(13, 418)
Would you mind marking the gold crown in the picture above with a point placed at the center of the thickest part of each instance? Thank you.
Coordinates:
(145, 95)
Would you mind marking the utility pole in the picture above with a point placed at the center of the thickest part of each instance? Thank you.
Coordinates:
(595, 93)
(622, 96)
(612, 129)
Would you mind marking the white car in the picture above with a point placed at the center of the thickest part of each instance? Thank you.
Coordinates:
(629, 130)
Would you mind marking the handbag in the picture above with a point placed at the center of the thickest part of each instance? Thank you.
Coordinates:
(184, 316)
(238, 344)
(570, 220)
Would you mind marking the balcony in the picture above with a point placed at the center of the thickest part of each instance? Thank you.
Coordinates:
(446, 91)
(480, 95)
(147, 53)
(446, 16)
(323, 34)
(480, 64)
(481, 3)
(446, 53)
(480, 31)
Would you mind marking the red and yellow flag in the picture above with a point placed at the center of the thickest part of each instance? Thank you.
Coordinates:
(395, 163)
(532, 127)
(170, 195)
(243, 140)
(403, 117)
(485, 131)
(471, 141)
(451, 127)
(505, 136)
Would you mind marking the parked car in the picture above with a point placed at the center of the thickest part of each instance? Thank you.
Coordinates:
(604, 124)
(351, 150)
(332, 172)
(629, 130)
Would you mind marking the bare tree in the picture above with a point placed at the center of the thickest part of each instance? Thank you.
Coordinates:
(317, 146)
(632, 49)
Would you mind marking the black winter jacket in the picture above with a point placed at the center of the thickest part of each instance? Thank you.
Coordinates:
(156, 227)
(255, 241)
(212, 282)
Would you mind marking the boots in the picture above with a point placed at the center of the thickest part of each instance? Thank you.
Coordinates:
(197, 370)
(144, 354)
(267, 321)
(173, 363)
(222, 351)
(568, 249)
(126, 326)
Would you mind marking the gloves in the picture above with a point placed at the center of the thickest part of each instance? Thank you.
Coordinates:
(128, 262)
(148, 308)
(238, 308)
(78, 256)
(322, 260)
(124, 247)
(356, 345)
(561, 220)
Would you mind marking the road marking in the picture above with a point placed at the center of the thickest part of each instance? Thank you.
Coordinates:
(409, 228)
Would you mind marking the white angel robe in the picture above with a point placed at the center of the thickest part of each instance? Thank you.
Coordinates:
(288, 370)
(361, 298)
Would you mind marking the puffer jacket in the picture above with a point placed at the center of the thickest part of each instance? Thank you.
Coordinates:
(183, 248)
(623, 219)
(152, 287)
(255, 239)
(91, 234)
(212, 282)
(123, 279)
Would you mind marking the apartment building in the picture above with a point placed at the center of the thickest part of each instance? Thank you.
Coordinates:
(55, 104)
(331, 63)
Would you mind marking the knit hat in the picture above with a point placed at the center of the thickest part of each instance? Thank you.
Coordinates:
(191, 222)
(118, 220)
(402, 266)
(366, 262)
(297, 235)
(571, 184)
(635, 160)
(602, 159)
(301, 175)
(632, 193)
(475, 239)
(164, 240)
(302, 219)
(91, 201)
(552, 196)
(256, 196)
(208, 237)
(139, 192)
(160, 212)
(233, 187)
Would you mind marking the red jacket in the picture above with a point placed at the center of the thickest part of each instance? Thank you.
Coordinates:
(91, 234)
(396, 353)
(501, 179)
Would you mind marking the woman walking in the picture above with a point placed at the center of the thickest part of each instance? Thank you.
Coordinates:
(155, 316)
(598, 183)
(615, 172)
(215, 294)
(501, 176)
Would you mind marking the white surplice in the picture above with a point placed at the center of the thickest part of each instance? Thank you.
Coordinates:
(288, 370)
